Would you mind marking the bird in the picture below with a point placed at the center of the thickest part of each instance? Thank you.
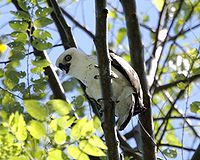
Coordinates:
(126, 88)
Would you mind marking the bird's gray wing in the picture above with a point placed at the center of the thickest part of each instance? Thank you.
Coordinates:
(127, 71)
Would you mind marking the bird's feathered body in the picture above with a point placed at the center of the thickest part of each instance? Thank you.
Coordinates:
(127, 93)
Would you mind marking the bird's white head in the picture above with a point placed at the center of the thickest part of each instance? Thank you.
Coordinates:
(70, 60)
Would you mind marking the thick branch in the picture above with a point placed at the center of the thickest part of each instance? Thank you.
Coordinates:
(196, 154)
(105, 78)
(136, 50)
(62, 25)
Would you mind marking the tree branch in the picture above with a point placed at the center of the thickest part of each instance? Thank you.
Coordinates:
(173, 84)
(177, 117)
(136, 50)
(90, 34)
(196, 154)
(101, 44)
(176, 146)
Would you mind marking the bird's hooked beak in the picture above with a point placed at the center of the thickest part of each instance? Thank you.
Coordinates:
(65, 67)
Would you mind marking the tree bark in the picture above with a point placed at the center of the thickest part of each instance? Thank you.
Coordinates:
(196, 154)
(105, 79)
(137, 60)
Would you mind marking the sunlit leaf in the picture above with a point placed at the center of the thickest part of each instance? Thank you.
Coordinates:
(18, 25)
(35, 109)
(21, 133)
(60, 136)
(121, 35)
(76, 153)
(41, 44)
(36, 129)
(20, 36)
(195, 107)
(21, 15)
(65, 121)
(21, 157)
(171, 153)
(77, 128)
(53, 124)
(23, 5)
(172, 138)
(55, 154)
(41, 34)
(181, 85)
(86, 147)
(60, 106)
(158, 4)
(112, 14)
(42, 22)
(43, 12)
(97, 142)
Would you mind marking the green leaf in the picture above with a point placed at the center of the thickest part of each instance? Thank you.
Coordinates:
(21, 15)
(11, 78)
(22, 157)
(65, 121)
(158, 4)
(97, 142)
(145, 18)
(171, 153)
(41, 44)
(42, 22)
(195, 107)
(41, 34)
(121, 35)
(43, 12)
(112, 14)
(18, 25)
(88, 129)
(17, 46)
(76, 153)
(60, 136)
(21, 133)
(53, 124)
(40, 63)
(78, 101)
(36, 129)
(23, 5)
(96, 122)
(181, 85)
(1, 72)
(55, 154)
(35, 109)
(20, 36)
(77, 128)
(60, 106)
(172, 139)
(86, 147)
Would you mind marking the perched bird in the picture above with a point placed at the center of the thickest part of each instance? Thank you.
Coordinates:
(127, 92)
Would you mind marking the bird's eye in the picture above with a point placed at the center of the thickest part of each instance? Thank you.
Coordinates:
(68, 58)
